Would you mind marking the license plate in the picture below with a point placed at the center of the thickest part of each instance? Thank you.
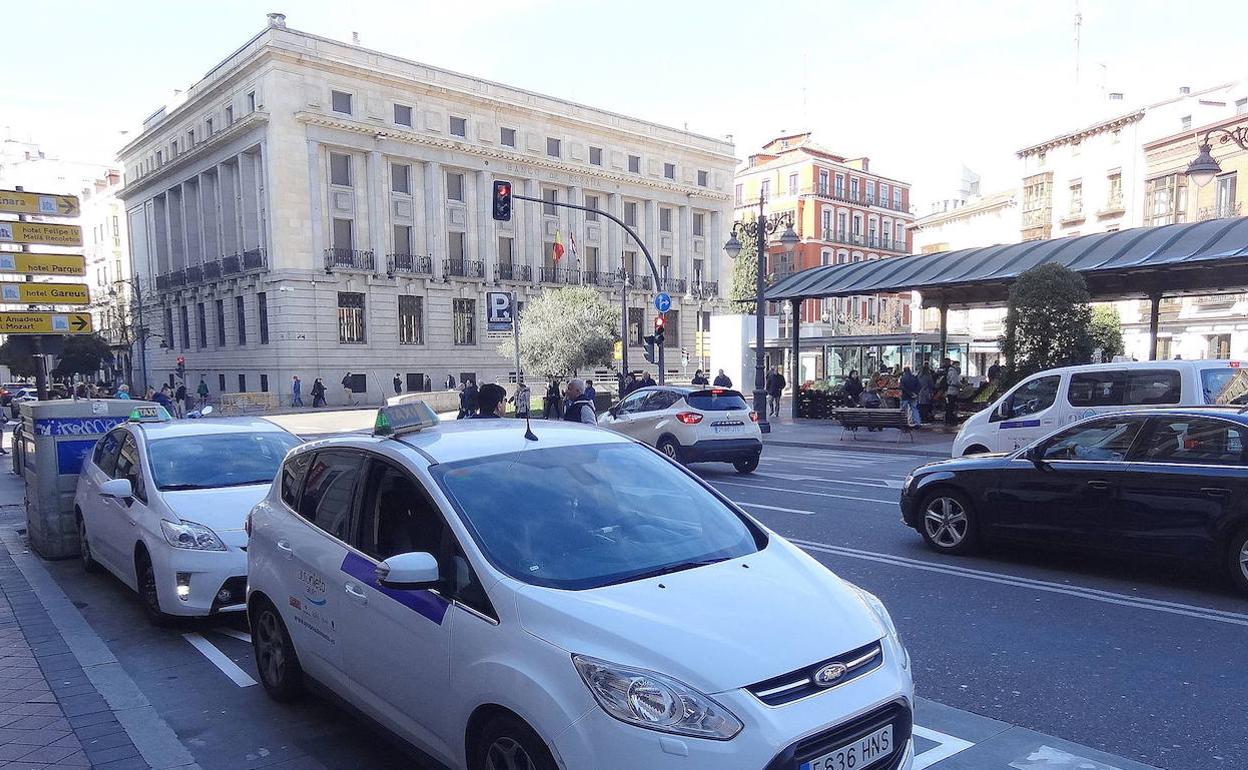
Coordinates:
(720, 429)
(860, 753)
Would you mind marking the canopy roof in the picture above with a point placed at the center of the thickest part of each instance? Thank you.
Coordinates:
(1199, 258)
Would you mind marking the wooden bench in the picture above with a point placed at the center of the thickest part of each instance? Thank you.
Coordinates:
(851, 419)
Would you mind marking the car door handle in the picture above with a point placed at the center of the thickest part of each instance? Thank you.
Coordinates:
(356, 593)
(1099, 484)
(1215, 491)
(284, 547)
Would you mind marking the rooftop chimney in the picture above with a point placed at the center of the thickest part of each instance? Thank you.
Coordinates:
(1185, 90)
(277, 20)
(355, 38)
(1116, 96)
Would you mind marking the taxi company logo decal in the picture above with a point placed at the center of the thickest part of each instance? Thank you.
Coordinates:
(830, 674)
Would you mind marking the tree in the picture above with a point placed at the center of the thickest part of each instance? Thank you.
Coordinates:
(564, 331)
(745, 277)
(81, 354)
(1106, 332)
(16, 354)
(1048, 322)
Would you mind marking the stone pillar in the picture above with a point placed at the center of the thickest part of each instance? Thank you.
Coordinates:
(716, 237)
(615, 234)
(651, 237)
(684, 245)
(315, 199)
(377, 218)
(435, 213)
(482, 221)
(532, 226)
(576, 231)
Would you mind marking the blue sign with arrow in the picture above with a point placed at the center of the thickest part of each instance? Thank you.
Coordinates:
(663, 302)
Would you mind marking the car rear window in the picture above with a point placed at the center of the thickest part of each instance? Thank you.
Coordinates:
(716, 400)
(1225, 385)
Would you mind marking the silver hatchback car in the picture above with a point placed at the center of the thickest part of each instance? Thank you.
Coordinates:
(690, 424)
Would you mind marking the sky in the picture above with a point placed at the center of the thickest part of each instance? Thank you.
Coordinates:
(920, 87)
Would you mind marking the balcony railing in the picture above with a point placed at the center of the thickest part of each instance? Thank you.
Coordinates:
(861, 199)
(599, 278)
(1112, 206)
(231, 264)
(510, 271)
(463, 268)
(642, 282)
(254, 259)
(868, 241)
(704, 289)
(212, 270)
(556, 275)
(672, 285)
(1219, 212)
(349, 259)
(410, 264)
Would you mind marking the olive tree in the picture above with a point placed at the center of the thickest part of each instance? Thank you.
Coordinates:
(563, 331)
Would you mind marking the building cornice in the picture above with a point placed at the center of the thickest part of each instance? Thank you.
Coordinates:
(1083, 133)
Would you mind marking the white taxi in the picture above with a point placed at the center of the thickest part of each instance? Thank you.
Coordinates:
(563, 598)
(161, 504)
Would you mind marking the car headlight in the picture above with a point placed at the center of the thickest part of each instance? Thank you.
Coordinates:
(886, 620)
(655, 702)
(191, 536)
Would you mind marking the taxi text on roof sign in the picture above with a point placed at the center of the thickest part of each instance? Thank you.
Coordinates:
(42, 264)
(44, 293)
(12, 322)
(404, 418)
(40, 232)
(150, 413)
(43, 204)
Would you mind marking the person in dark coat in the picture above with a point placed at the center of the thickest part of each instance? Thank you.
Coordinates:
(910, 387)
(552, 407)
(468, 400)
(318, 393)
(490, 400)
(775, 387)
(994, 372)
(722, 380)
(398, 384)
(853, 387)
(699, 379)
(646, 381)
(927, 391)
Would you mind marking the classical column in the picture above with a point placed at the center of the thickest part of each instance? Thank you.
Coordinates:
(615, 254)
(435, 210)
(532, 226)
(684, 246)
(377, 210)
(576, 230)
(715, 238)
(483, 213)
(651, 237)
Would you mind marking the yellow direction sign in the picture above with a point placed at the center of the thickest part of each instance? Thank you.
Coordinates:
(40, 232)
(45, 323)
(44, 293)
(43, 204)
(42, 264)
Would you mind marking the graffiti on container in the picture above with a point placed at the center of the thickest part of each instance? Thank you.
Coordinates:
(76, 426)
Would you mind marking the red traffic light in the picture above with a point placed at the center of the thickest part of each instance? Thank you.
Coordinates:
(660, 322)
(181, 360)
(502, 201)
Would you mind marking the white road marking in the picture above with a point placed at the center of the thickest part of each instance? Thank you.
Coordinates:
(881, 484)
(773, 508)
(891, 503)
(949, 745)
(241, 636)
(220, 660)
(1082, 592)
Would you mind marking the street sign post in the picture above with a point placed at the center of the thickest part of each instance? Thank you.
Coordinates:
(501, 317)
(663, 302)
(44, 294)
(44, 323)
(42, 264)
(38, 204)
(46, 233)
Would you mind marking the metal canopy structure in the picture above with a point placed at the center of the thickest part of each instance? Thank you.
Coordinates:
(1146, 262)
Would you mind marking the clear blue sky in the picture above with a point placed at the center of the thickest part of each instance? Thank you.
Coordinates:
(918, 86)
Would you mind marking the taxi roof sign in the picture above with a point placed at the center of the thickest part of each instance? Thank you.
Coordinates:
(403, 418)
(153, 413)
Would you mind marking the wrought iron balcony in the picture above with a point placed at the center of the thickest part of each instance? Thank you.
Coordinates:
(555, 275)
(672, 285)
(349, 259)
(642, 282)
(254, 259)
(599, 278)
(463, 268)
(704, 289)
(1221, 211)
(882, 242)
(231, 264)
(510, 271)
(408, 264)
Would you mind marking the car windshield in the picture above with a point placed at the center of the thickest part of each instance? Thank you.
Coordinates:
(589, 516)
(1225, 386)
(217, 460)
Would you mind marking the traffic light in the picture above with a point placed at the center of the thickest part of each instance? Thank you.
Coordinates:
(660, 327)
(181, 367)
(648, 353)
(502, 201)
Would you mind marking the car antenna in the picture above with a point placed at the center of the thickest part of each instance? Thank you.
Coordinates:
(529, 435)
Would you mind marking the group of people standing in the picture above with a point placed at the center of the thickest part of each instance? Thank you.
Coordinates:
(573, 403)
(921, 391)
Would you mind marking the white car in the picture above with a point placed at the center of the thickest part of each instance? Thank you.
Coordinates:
(571, 601)
(690, 424)
(161, 505)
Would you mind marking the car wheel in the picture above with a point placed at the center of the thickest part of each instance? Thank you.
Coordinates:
(670, 447)
(747, 465)
(949, 522)
(149, 593)
(276, 660)
(84, 548)
(1238, 559)
(506, 743)
(975, 449)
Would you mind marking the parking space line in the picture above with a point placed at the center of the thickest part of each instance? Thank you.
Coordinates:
(773, 508)
(241, 636)
(220, 660)
(891, 503)
(948, 746)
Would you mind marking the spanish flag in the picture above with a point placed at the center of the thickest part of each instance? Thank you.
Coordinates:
(558, 247)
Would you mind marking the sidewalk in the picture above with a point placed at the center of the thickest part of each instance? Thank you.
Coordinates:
(932, 440)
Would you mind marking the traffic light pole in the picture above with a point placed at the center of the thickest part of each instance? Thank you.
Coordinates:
(654, 271)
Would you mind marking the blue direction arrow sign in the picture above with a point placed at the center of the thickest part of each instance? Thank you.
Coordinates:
(663, 302)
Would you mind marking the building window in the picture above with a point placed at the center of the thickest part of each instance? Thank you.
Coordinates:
(764, 189)
(456, 247)
(842, 222)
(630, 265)
(897, 198)
(595, 156)
(870, 192)
(340, 102)
(411, 321)
(1185, 122)
(190, 138)
(630, 213)
(262, 315)
(403, 115)
(853, 188)
(465, 321)
(665, 220)
(242, 383)
(634, 164)
(883, 194)
(208, 128)
(1165, 200)
(507, 137)
(823, 182)
(1076, 199)
(792, 184)
(840, 184)
(185, 325)
(901, 236)
(264, 383)
(738, 192)
(221, 382)
(591, 259)
(698, 220)
(402, 239)
(340, 169)
(827, 222)
(551, 197)
(240, 315)
(1224, 200)
(506, 250)
(201, 321)
(669, 170)
(454, 186)
(698, 271)
(703, 178)
(220, 323)
(251, 101)
(591, 202)
(160, 158)
(636, 322)
(229, 115)
(343, 237)
(1241, 106)
(173, 149)
(351, 317)
(1114, 200)
(459, 127)
(554, 147)
(401, 178)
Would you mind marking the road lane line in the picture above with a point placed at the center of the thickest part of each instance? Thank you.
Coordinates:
(881, 484)
(1082, 592)
(241, 636)
(949, 745)
(773, 508)
(803, 492)
(220, 660)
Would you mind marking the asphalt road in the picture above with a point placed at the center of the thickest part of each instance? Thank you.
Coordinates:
(1131, 659)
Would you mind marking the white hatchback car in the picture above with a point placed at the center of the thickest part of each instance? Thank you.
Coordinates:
(691, 424)
(568, 601)
(161, 505)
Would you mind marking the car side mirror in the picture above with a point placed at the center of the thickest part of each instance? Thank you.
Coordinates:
(118, 489)
(409, 572)
(1035, 454)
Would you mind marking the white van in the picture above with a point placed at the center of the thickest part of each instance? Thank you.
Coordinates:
(1048, 400)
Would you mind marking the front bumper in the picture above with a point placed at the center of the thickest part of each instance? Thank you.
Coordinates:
(910, 513)
(723, 450)
(204, 574)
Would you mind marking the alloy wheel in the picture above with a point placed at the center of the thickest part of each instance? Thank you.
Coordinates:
(945, 521)
(507, 754)
(84, 548)
(1243, 560)
(669, 449)
(150, 597)
(271, 648)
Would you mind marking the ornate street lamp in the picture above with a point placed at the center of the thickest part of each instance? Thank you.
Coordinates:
(759, 230)
(1204, 168)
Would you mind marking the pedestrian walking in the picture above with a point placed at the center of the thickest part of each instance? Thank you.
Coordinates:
(522, 399)
(318, 393)
(490, 400)
(910, 387)
(580, 408)
(953, 388)
(468, 400)
(180, 400)
(927, 391)
(348, 393)
(775, 387)
(428, 384)
(450, 381)
(647, 381)
(722, 380)
(163, 398)
(398, 385)
(994, 372)
(699, 379)
(590, 392)
(202, 390)
(853, 387)
(552, 404)
(296, 391)
(123, 392)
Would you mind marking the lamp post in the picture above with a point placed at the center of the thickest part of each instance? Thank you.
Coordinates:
(1204, 168)
(759, 230)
